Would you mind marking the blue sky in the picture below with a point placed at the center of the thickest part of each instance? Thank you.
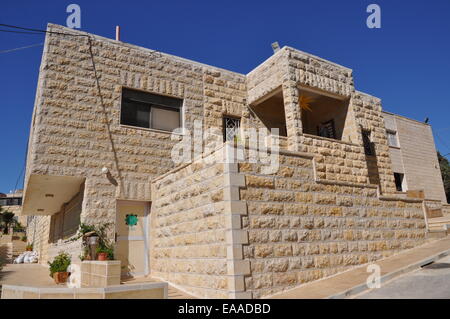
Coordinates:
(406, 63)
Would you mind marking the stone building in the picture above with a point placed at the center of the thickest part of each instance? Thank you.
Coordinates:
(12, 202)
(101, 149)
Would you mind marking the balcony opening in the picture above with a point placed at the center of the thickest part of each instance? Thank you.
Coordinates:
(322, 115)
(271, 112)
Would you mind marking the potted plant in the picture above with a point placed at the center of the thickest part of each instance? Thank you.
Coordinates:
(58, 268)
(105, 253)
(102, 245)
(29, 247)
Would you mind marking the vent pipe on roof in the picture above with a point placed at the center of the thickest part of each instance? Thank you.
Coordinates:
(117, 33)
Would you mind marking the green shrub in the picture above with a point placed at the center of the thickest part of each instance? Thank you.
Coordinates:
(60, 263)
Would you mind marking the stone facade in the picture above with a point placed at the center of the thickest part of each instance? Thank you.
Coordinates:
(419, 165)
(218, 229)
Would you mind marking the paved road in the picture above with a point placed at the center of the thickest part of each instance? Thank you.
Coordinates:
(430, 282)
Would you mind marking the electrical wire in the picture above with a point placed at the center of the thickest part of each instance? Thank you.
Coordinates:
(22, 32)
(22, 48)
(38, 31)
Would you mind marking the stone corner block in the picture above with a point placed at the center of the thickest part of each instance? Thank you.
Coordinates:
(238, 267)
(237, 236)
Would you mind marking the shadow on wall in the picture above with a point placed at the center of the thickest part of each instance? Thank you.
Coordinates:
(3, 254)
(371, 159)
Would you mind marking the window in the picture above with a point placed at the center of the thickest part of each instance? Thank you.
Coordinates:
(65, 223)
(368, 145)
(231, 127)
(326, 129)
(149, 110)
(392, 138)
(11, 201)
(398, 181)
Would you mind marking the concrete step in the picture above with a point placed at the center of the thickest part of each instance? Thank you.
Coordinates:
(437, 233)
(6, 254)
(174, 293)
(438, 226)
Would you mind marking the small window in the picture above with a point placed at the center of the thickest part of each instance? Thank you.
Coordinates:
(231, 127)
(368, 145)
(398, 181)
(327, 129)
(392, 138)
(149, 110)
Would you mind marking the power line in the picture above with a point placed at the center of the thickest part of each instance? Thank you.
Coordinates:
(22, 32)
(38, 31)
(21, 48)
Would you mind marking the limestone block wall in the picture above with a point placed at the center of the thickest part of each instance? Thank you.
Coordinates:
(188, 229)
(337, 160)
(267, 77)
(77, 132)
(368, 116)
(315, 72)
(300, 230)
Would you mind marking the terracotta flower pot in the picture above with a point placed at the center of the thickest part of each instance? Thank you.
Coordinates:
(61, 277)
(102, 256)
(29, 249)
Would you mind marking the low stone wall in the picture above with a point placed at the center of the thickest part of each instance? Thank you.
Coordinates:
(300, 230)
(154, 290)
(446, 210)
(188, 229)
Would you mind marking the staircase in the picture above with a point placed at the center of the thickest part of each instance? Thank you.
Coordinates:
(438, 225)
(174, 293)
(6, 253)
(18, 247)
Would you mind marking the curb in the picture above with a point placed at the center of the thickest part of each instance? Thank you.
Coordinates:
(387, 277)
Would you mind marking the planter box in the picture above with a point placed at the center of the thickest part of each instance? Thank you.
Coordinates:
(96, 273)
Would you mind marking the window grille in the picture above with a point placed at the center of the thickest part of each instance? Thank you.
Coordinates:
(231, 128)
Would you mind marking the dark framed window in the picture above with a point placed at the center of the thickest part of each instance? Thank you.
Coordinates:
(148, 110)
(399, 181)
(11, 201)
(327, 129)
(368, 145)
(231, 127)
(392, 138)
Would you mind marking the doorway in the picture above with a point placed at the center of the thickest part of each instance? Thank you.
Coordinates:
(132, 244)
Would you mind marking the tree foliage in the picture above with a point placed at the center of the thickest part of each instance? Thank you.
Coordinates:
(445, 171)
(6, 218)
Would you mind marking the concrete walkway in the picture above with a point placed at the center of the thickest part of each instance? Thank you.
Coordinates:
(353, 281)
(26, 275)
(36, 275)
(429, 282)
